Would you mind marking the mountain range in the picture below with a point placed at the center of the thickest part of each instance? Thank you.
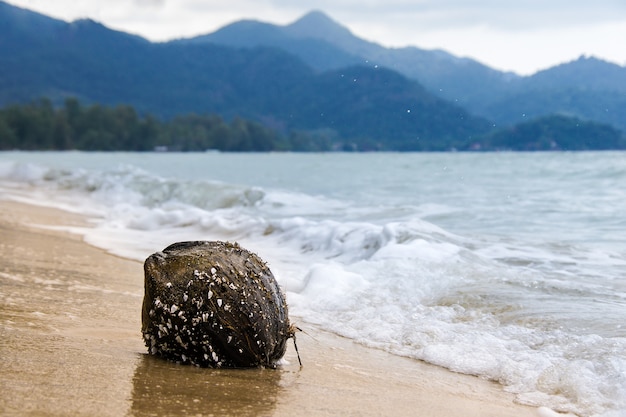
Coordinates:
(588, 88)
(313, 75)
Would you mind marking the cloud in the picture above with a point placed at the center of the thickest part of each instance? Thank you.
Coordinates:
(448, 14)
(149, 3)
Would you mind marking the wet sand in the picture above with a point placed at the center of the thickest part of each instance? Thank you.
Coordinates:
(70, 345)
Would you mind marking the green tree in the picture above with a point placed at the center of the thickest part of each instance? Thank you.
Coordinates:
(8, 139)
(62, 133)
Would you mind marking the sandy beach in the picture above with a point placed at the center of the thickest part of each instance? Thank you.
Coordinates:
(70, 343)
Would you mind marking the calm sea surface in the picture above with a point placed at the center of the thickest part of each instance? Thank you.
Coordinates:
(510, 266)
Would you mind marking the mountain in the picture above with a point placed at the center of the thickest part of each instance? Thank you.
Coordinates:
(18, 22)
(315, 51)
(354, 97)
(586, 73)
(87, 60)
(587, 88)
(325, 44)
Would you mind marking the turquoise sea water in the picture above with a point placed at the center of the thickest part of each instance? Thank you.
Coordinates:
(510, 266)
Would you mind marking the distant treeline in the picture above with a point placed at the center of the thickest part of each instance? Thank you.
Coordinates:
(42, 126)
(73, 126)
(553, 133)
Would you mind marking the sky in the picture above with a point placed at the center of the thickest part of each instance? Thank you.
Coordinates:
(523, 36)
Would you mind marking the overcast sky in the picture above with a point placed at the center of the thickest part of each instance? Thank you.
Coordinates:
(516, 35)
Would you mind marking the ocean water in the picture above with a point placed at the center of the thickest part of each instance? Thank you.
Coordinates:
(509, 266)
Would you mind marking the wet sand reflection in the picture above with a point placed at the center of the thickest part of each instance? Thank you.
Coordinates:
(165, 388)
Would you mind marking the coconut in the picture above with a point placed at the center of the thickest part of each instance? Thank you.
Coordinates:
(213, 304)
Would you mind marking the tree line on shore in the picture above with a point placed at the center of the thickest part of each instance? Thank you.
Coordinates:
(42, 126)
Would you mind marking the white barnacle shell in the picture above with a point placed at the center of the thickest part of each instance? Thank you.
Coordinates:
(185, 297)
(168, 285)
(219, 302)
(213, 271)
(174, 308)
(209, 294)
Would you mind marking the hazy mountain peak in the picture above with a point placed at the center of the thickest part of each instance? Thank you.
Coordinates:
(247, 32)
(314, 22)
(22, 20)
(587, 72)
(317, 24)
(86, 23)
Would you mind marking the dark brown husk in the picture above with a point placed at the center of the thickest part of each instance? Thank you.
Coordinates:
(213, 304)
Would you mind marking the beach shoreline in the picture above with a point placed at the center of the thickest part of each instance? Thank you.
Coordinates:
(71, 345)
